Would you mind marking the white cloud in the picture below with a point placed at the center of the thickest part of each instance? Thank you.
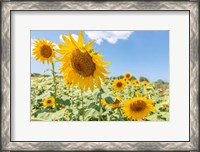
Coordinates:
(55, 46)
(73, 35)
(109, 36)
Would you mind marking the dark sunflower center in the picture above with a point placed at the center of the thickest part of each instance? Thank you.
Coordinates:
(82, 63)
(48, 101)
(138, 106)
(128, 75)
(119, 84)
(45, 51)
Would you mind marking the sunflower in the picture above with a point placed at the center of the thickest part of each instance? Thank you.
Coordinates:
(116, 104)
(49, 102)
(80, 64)
(119, 84)
(138, 107)
(128, 81)
(145, 84)
(127, 75)
(43, 50)
(124, 79)
(136, 82)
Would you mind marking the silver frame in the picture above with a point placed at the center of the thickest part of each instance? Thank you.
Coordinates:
(8, 6)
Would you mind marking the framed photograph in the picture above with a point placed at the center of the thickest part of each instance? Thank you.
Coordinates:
(109, 75)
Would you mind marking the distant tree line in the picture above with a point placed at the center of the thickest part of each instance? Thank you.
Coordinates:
(141, 78)
(44, 75)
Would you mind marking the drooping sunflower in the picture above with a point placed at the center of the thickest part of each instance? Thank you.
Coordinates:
(145, 84)
(43, 50)
(81, 65)
(127, 75)
(119, 84)
(138, 108)
(49, 102)
(116, 104)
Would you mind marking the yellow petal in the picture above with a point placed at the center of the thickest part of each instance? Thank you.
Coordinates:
(103, 70)
(89, 45)
(91, 84)
(66, 40)
(80, 39)
(73, 41)
(97, 80)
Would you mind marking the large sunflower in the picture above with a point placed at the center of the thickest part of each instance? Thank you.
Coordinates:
(49, 102)
(81, 65)
(138, 107)
(119, 84)
(43, 50)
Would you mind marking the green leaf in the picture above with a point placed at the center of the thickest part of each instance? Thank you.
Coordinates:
(63, 102)
(163, 116)
(48, 87)
(91, 113)
(51, 115)
(57, 115)
(100, 93)
(110, 99)
(43, 96)
(94, 106)
(152, 117)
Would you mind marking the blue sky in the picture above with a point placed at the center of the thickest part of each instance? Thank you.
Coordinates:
(142, 53)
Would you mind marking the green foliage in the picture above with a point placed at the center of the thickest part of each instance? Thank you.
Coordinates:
(143, 79)
(110, 99)
(161, 84)
(72, 105)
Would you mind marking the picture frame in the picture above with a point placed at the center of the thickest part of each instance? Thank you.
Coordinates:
(8, 7)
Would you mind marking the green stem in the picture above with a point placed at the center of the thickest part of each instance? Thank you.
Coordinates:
(82, 104)
(71, 91)
(54, 81)
(120, 114)
(100, 109)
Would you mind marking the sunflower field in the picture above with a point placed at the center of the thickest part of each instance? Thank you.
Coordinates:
(84, 92)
